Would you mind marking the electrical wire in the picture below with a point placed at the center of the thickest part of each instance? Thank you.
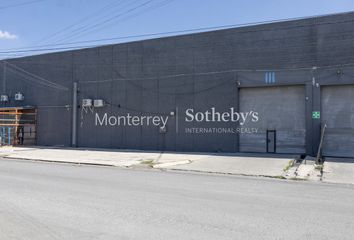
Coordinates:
(96, 19)
(289, 48)
(183, 93)
(212, 72)
(20, 4)
(216, 72)
(172, 76)
(111, 5)
(54, 106)
(238, 51)
(195, 30)
(35, 78)
(34, 75)
(119, 106)
(25, 77)
(92, 28)
(143, 11)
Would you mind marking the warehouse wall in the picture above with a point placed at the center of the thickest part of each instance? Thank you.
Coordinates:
(196, 71)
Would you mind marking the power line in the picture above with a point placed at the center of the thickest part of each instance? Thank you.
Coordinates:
(37, 79)
(88, 29)
(289, 48)
(50, 49)
(119, 106)
(97, 28)
(97, 19)
(54, 85)
(110, 5)
(33, 48)
(215, 73)
(25, 77)
(20, 4)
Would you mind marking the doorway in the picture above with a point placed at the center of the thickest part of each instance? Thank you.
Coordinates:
(271, 141)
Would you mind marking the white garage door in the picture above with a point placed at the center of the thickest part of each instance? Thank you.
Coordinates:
(337, 105)
(281, 125)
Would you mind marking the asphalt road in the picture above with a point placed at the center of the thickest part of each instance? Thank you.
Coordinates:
(59, 201)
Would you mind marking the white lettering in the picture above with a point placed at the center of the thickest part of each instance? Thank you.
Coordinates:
(112, 120)
(189, 113)
(104, 119)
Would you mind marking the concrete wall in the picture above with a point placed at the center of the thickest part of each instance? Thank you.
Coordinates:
(197, 71)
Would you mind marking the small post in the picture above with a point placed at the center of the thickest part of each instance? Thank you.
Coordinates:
(9, 136)
(319, 152)
(74, 115)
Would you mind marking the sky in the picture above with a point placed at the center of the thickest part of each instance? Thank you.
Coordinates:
(33, 23)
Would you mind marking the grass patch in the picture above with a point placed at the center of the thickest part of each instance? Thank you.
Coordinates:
(319, 167)
(290, 164)
(148, 162)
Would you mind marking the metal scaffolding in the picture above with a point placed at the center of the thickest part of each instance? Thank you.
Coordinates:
(18, 125)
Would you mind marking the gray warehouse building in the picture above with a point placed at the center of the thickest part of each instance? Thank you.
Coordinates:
(263, 88)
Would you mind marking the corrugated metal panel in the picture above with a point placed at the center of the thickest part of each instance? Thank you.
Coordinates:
(281, 109)
(337, 103)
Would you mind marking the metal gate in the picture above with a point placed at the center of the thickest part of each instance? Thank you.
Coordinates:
(281, 112)
(337, 106)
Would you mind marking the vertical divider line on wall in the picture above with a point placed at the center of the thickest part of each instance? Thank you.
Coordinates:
(176, 119)
(74, 116)
(111, 136)
(308, 118)
(35, 127)
(315, 95)
(4, 79)
(237, 105)
(16, 127)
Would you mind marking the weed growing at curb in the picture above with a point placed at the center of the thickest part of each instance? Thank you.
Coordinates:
(290, 164)
(148, 162)
(319, 167)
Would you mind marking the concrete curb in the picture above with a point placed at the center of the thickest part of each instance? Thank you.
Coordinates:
(169, 164)
(225, 173)
(64, 162)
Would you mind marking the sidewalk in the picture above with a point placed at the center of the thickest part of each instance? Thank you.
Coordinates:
(240, 164)
(338, 170)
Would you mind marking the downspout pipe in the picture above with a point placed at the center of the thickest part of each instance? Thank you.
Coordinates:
(74, 117)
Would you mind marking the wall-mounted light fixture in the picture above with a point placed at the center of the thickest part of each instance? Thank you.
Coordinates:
(4, 98)
(19, 97)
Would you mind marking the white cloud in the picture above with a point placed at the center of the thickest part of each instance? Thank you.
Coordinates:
(7, 35)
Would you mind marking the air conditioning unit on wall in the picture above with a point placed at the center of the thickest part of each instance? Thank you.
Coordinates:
(87, 102)
(19, 97)
(98, 103)
(4, 98)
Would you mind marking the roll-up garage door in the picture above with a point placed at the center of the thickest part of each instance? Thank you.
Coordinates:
(337, 105)
(281, 124)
